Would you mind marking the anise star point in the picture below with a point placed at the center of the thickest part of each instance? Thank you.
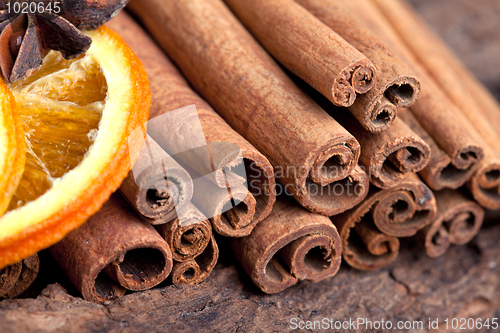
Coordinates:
(26, 36)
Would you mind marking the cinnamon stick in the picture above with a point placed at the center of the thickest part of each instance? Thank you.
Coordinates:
(404, 209)
(390, 155)
(309, 49)
(387, 156)
(439, 62)
(195, 271)
(368, 232)
(188, 234)
(16, 279)
(395, 85)
(231, 211)
(251, 92)
(457, 221)
(290, 245)
(184, 131)
(489, 106)
(8, 277)
(440, 53)
(194, 249)
(434, 110)
(157, 186)
(485, 183)
(29, 271)
(115, 249)
(440, 172)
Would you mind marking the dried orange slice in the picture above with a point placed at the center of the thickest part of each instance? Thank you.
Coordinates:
(77, 117)
(12, 147)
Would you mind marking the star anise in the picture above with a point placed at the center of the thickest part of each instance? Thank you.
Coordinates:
(30, 28)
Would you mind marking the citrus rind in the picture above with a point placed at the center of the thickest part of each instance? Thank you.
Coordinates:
(12, 147)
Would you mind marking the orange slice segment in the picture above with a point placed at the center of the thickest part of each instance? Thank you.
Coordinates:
(77, 117)
(12, 147)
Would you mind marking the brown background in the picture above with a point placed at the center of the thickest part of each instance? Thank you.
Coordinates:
(472, 29)
(463, 283)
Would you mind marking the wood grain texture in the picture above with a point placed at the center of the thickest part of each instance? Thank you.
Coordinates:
(465, 282)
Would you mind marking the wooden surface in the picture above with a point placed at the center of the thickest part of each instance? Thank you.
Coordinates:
(463, 283)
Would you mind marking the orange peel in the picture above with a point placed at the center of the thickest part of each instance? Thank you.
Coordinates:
(12, 147)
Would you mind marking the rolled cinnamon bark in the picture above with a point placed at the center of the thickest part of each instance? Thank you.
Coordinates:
(256, 98)
(188, 234)
(194, 249)
(387, 156)
(485, 183)
(290, 245)
(395, 84)
(432, 52)
(8, 277)
(195, 271)
(113, 250)
(439, 62)
(434, 110)
(440, 172)
(185, 133)
(488, 104)
(29, 271)
(457, 221)
(157, 186)
(16, 279)
(404, 209)
(390, 155)
(231, 211)
(309, 49)
(369, 231)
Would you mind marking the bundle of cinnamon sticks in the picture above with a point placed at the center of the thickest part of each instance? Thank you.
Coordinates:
(301, 132)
